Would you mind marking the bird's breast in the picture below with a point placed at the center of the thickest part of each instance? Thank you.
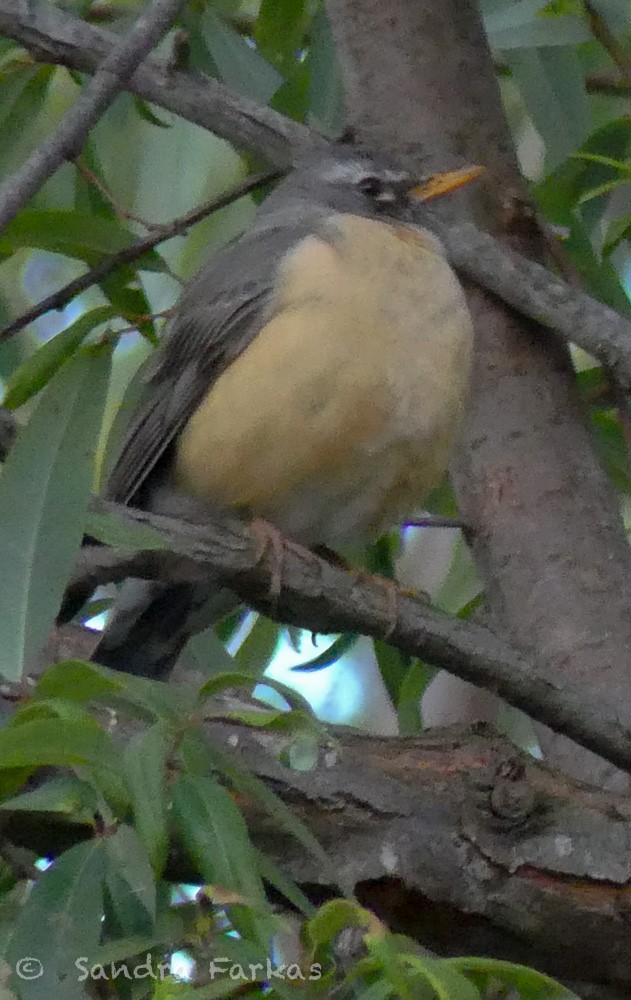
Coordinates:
(339, 416)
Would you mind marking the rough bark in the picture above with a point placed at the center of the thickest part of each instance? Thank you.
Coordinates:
(326, 598)
(452, 838)
(548, 537)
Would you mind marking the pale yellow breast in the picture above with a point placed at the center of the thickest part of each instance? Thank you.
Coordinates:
(339, 416)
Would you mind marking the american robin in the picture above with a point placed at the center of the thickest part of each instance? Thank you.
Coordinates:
(313, 376)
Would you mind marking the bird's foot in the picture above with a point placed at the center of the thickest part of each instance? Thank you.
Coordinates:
(269, 537)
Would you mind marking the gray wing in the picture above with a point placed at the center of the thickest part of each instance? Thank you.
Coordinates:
(221, 312)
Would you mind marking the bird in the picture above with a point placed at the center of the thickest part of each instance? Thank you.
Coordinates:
(313, 377)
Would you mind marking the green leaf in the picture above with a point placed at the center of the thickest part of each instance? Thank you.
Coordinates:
(552, 86)
(446, 981)
(608, 161)
(130, 883)
(215, 833)
(296, 701)
(279, 30)
(461, 584)
(131, 303)
(326, 98)
(222, 682)
(248, 784)
(68, 795)
(611, 447)
(558, 193)
(33, 375)
(206, 652)
(235, 679)
(152, 700)
(23, 96)
(44, 492)
(413, 686)
(216, 837)
(75, 234)
(145, 762)
(339, 648)
(393, 666)
(111, 530)
(600, 279)
(76, 680)
(60, 921)
(146, 113)
(217, 49)
(274, 875)
(56, 742)
(257, 649)
(89, 198)
(530, 983)
(617, 231)
(608, 187)
(520, 25)
(332, 918)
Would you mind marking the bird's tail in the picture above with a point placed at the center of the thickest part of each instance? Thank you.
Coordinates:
(152, 622)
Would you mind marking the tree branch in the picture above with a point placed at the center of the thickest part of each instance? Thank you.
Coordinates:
(541, 296)
(324, 598)
(548, 539)
(525, 285)
(503, 858)
(160, 234)
(602, 33)
(56, 37)
(68, 138)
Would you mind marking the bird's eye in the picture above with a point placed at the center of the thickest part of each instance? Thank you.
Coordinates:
(372, 186)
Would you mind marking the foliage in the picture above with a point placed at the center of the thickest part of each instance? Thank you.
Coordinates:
(167, 787)
(167, 794)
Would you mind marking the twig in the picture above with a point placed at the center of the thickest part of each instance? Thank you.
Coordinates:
(607, 83)
(602, 33)
(53, 36)
(598, 82)
(177, 226)
(67, 140)
(104, 191)
(324, 598)
(8, 430)
(523, 284)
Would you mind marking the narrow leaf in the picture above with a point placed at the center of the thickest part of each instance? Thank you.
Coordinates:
(75, 234)
(44, 493)
(130, 882)
(60, 921)
(145, 761)
(53, 741)
(41, 366)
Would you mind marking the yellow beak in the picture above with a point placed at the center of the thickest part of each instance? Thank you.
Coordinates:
(439, 184)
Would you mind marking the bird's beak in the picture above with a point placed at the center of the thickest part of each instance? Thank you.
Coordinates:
(440, 184)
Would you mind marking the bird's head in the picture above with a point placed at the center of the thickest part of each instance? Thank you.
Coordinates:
(349, 180)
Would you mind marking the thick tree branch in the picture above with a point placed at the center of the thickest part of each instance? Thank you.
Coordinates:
(527, 286)
(56, 37)
(68, 138)
(548, 539)
(503, 858)
(324, 598)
